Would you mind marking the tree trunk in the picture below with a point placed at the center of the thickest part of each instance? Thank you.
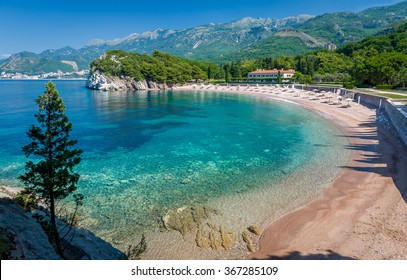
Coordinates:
(54, 228)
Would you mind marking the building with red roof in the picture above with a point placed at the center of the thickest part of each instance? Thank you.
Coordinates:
(272, 74)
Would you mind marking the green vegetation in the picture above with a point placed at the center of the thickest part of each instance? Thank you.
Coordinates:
(275, 47)
(391, 96)
(51, 176)
(26, 199)
(375, 61)
(160, 67)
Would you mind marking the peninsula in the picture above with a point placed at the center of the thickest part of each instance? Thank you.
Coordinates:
(120, 70)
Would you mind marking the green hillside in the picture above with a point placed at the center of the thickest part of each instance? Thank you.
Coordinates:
(376, 60)
(392, 39)
(160, 67)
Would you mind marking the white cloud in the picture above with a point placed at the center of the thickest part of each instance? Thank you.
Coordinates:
(5, 55)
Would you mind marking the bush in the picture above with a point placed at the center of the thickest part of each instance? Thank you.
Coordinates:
(363, 86)
(26, 199)
(385, 86)
(349, 86)
(216, 81)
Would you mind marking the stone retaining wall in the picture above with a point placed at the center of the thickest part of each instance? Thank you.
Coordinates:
(397, 112)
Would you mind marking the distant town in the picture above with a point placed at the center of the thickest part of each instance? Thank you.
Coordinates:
(51, 75)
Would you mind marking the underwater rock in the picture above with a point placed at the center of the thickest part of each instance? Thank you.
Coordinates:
(202, 237)
(227, 238)
(187, 219)
(181, 221)
(254, 229)
(215, 239)
(196, 220)
(248, 240)
(186, 181)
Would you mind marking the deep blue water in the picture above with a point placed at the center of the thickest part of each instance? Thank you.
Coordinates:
(147, 152)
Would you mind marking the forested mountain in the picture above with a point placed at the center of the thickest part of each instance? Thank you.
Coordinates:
(220, 43)
(375, 60)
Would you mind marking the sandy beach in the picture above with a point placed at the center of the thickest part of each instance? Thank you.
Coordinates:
(363, 213)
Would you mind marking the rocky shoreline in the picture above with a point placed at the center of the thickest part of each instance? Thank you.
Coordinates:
(27, 240)
(100, 81)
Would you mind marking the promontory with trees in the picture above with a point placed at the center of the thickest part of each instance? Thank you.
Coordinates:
(379, 60)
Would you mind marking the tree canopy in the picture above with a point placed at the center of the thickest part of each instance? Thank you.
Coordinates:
(159, 67)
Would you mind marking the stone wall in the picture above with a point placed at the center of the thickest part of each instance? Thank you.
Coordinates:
(397, 112)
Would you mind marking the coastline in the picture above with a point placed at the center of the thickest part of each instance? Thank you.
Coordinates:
(362, 214)
(357, 212)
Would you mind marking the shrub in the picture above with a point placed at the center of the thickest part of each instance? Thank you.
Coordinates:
(26, 199)
(385, 86)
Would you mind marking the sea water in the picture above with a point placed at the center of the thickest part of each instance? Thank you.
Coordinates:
(148, 152)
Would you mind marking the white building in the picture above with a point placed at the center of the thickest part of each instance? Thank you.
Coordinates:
(272, 74)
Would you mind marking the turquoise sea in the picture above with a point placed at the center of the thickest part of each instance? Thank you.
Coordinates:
(148, 152)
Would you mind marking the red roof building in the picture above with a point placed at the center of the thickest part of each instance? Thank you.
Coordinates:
(261, 73)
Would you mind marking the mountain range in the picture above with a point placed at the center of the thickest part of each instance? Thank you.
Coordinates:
(220, 43)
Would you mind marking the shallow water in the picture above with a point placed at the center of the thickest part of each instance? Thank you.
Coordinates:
(148, 152)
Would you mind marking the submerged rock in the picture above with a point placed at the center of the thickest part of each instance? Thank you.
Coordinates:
(228, 238)
(198, 221)
(254, 229)
(202, 237)
(246, 238)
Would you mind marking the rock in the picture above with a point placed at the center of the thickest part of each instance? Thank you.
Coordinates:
(202, 237)
(186, 181)
(197, 220)
(99, 81)
(215, 239)
(248, 240)
(228, 238)
(31, 243)
(181, 220)
(254, 229)
(29, 239)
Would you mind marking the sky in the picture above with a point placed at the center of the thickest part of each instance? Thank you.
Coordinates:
(37, 25)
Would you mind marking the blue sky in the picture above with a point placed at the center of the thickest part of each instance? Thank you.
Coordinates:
(38, 25)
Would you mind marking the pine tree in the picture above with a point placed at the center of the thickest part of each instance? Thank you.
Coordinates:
(51, 177)
(227, 73)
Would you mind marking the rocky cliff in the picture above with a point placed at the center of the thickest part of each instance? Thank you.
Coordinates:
(28, 241)
(100, 81)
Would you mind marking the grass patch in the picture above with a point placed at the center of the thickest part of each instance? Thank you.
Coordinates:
(391, 96)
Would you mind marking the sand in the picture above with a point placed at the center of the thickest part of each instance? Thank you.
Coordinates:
(363, 214)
